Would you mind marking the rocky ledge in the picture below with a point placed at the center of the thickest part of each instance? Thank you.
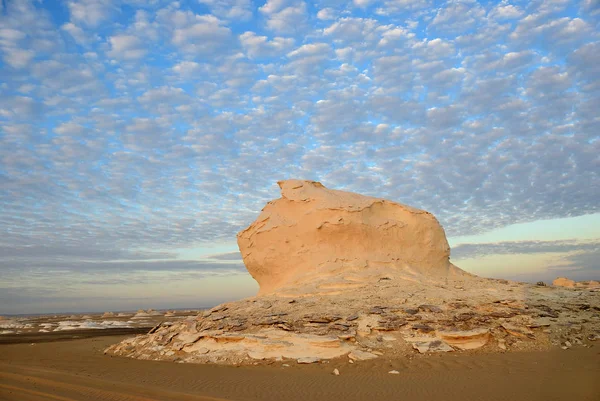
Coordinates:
(491, 315)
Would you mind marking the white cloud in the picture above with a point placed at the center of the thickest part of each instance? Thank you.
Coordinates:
(230, 9)
(285, 19)
(313, 49)
(18, 58)
(362, 3)
(564, 32)
(187, 69)
(548, 80)
(260, 46)
(505, 11)
(69, 129)
(20, 108)
(91, 12)
(326, 14)
(458, 16)
(205, 35)
(164, 94)
(309, 58)
(273, 6)
(401, 6)
(127, 47)
(76, 32)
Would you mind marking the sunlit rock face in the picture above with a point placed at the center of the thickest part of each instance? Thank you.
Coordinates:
(568, 283)
(313, 233)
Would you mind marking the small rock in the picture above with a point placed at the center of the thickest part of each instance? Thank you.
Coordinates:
(359, 355)
(431, 346)
(466, 339)
(350, 360)
(322, 319)
(351, 318)
(502, 344)
(463, 317)
(336, 372)
(430, 308)
(309, 359)
(458, 305)
(540, 284)
(411, 311)
(347, 337)
(389, 325)
(542, 322)
(517, 331)
(568, 344)
(394, 372)
(502, 314)
(547, 311)
(285, 365)
(377, 310)
(422, 328)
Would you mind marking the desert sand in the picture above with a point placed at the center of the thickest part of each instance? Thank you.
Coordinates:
(78, 370)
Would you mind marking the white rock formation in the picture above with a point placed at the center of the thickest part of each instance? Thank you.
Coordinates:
(343, 274)
(568, 283)
(313, 234)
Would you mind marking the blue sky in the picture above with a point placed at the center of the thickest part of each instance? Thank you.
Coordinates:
(138, 137)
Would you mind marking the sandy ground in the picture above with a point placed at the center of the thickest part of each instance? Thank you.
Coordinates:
(78, 370)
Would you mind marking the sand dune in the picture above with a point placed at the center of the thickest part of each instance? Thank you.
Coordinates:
(78, 370)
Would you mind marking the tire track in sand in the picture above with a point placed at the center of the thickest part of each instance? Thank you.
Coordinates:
(28, 385)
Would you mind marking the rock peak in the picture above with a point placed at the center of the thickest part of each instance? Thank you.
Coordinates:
(316, 236)
(298, 189)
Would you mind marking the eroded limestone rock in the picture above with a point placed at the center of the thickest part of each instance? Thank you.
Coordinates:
(565, 282)
(343, 274)
(313, 233)
(466, 339)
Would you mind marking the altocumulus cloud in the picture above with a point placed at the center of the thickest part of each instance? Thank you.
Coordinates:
(134, 125)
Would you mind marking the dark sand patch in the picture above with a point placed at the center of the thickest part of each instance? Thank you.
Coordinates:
(78, 370)
(36, 337)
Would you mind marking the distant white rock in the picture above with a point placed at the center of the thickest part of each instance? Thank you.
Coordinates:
(83, 325)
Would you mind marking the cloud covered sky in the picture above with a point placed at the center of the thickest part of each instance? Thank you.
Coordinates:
(137, 137)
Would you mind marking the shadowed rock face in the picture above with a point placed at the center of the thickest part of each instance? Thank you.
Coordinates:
(313, 233)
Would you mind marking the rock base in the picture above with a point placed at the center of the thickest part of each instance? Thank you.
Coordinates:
(391, 316)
